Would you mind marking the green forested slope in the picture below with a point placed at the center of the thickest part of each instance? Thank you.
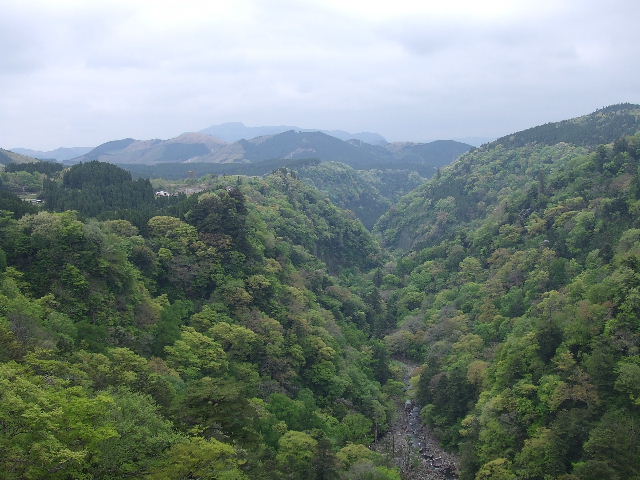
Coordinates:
(463, 195)
(235, 333)
(8, 157)
(600, 127)
(472, 188)
(518, 296)
(367, 193)
(209, 344)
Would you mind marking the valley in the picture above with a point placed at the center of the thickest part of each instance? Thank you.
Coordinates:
(404, 311)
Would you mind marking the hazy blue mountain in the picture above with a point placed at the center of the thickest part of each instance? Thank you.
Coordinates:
(437, 153)
(295, 144)
(200, 148)
(367, 137)
(109, 148)
(60, 154)
(422, 157)
(234, 131)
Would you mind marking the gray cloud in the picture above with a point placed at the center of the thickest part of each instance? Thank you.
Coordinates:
(80, 73)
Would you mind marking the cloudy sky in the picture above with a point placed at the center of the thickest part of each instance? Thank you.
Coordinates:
(78, 72)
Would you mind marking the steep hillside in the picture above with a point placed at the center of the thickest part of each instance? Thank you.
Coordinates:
(602, 126)
(105, 191)
(7, 157)
(469, 189)
(367, 193)
(211, 342)
(516, 292)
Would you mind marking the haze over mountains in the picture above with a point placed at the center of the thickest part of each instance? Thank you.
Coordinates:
(228, 132)
(60, 154)
(234, 131)
(363, 177)
(203, 148)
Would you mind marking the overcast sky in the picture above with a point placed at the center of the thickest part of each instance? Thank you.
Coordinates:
(78, 72)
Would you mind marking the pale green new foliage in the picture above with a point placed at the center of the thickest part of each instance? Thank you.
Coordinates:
(296, 451)
(195, 354)
(198, 458)
(48, 431)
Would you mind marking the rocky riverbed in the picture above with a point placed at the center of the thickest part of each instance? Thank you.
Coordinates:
(413, 446)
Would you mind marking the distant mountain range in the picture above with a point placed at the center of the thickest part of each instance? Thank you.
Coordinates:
(188, 146)
(203, 148)
(60, 154)
(234, 131)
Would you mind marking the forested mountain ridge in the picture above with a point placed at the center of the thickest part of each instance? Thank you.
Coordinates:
(515, 287)
(602, 126)
(211, 341)
(467, 190)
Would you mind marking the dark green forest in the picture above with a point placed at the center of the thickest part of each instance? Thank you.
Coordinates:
(367, 193)
(255, 330)
(515, 287)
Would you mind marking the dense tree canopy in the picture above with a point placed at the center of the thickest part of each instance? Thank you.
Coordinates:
(212, 343)
(518, 296)
(247, 331)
